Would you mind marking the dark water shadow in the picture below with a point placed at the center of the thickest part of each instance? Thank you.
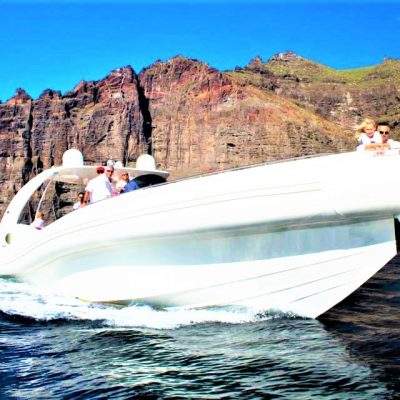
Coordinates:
(368, 324)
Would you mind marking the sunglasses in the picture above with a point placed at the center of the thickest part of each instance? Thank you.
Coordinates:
(384, 132)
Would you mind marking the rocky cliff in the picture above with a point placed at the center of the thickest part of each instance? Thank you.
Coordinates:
(203, 120)
(341, 96)
(194, 118)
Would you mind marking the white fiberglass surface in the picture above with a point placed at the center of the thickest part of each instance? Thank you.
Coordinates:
(224, 247)
(307, 284)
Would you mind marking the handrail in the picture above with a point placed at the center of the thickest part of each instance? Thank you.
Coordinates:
(17, 204)
(44, 194)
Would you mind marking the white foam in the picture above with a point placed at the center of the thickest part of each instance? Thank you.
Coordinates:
(25, 300)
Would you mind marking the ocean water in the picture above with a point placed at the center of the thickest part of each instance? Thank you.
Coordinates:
(53, 347)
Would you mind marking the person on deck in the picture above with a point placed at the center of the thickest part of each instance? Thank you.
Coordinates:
(99, 188)
(387, 142)
(148, 175)
(38, 222)
(367, 135)
(131, 186)
(81, 201)
(122, 182)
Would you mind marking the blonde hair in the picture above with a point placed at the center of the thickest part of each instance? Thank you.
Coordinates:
(39, 214)
(365, 122)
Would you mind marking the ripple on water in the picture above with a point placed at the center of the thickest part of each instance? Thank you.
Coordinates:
(57, 347)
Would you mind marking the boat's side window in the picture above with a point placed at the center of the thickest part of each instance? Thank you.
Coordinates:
(26, 216)
(54, 200)
(41, 200)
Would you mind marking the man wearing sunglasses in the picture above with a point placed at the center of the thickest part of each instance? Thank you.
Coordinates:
(384, 131)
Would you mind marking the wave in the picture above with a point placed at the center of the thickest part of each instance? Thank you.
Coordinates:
(20, 299)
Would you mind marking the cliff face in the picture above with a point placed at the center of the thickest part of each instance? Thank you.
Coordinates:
(194, 118)
(341, 96)
(15, 160)
(103, 119)
(203, 120)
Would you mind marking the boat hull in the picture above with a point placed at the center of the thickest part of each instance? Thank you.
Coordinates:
(296, 236)
(304, 270)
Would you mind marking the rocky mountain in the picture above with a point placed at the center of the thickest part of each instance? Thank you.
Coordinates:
(204, 120)
(194, 118)
(341, 96)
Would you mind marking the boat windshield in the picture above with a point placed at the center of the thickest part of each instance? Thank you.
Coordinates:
(53, 198)
(57, 195)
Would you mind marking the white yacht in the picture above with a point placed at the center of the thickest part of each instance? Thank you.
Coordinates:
(295, 236)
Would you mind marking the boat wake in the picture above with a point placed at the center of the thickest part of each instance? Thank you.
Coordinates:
(18, 299)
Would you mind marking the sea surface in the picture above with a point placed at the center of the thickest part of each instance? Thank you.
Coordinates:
(58, 348)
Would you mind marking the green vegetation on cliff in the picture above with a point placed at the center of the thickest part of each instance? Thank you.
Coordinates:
(291, 66)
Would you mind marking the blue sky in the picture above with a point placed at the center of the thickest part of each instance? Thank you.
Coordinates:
(55, 44)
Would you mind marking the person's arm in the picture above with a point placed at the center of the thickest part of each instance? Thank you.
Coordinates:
(86, 199)
(394, 145)
(360, 147)
(130, 186)
(376, 146)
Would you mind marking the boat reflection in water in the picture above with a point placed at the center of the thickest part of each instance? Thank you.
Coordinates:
(295, 236)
